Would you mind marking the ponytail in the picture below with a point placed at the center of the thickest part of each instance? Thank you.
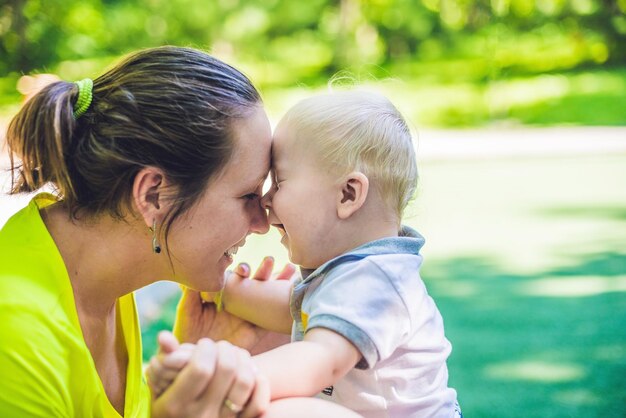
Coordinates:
(168, 107)
(40, 136)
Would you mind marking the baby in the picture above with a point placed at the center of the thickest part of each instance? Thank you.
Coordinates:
(365, 332)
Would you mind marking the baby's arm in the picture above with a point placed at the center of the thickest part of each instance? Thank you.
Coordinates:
(302, 368)
(305, 368)
(263, 303)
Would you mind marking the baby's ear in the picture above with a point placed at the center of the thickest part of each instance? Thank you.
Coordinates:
(352, 195)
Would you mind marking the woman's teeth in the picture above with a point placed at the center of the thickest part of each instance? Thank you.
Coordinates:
(231, 251)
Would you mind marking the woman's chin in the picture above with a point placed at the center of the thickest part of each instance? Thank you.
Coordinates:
(225, 261)
(213, 281)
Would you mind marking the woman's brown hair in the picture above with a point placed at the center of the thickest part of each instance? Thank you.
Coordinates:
(167, 107)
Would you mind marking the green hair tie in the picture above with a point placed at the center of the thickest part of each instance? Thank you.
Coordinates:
(85, 94)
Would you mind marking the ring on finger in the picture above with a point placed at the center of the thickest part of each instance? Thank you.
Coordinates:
(233, 407)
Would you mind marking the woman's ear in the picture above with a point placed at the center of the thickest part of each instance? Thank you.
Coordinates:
(148, 194)
(354, 189)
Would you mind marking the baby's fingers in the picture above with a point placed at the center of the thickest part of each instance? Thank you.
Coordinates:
(167, 342)
(178, 359)
(264, 272)
(156, 377)
(287, 272)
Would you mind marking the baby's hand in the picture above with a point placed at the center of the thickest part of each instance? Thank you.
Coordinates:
(165, 366)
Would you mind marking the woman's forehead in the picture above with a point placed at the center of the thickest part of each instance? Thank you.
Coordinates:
(252, 153)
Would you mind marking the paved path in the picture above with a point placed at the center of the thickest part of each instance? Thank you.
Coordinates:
(520, 143)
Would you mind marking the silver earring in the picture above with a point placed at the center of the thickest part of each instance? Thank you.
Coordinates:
(156, 248)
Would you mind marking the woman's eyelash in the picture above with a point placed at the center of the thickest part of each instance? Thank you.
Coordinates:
(251, 196)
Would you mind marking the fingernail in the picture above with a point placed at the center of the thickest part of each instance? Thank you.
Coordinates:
(269, 257)
(243, 269)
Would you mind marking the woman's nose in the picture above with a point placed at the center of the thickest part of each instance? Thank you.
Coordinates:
(258, 220)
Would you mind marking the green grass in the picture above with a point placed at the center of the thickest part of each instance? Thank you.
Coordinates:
(541, 354)
(526, 259)
(529, 271)
(532, 291)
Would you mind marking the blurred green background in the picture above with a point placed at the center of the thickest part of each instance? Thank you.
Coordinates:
(464, 62)
(519, 108)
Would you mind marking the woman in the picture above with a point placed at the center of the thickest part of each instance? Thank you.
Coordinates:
(159, 166)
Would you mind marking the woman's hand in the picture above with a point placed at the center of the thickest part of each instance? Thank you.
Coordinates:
(207, 380)
(165, 366)
(196, 318)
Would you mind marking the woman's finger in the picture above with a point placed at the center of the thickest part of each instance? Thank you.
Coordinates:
(193, 380)
(226, 366)
(189, 312)
(242, 386)
(264, 272)
(190, 301)
(260, 399)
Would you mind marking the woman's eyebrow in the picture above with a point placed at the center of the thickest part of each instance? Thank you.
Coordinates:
(261, 179)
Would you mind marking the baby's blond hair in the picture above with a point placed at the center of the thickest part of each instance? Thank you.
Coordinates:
(362, 131)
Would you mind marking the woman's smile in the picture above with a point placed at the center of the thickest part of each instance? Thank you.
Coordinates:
(229, 253)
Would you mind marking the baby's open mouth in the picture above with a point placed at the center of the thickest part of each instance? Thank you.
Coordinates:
(280, 227)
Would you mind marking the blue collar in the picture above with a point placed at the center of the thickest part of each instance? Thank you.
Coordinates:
(409, 241)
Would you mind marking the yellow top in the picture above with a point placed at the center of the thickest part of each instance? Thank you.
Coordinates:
(46, 368)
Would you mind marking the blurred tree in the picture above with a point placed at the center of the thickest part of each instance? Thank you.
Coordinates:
(295, 41)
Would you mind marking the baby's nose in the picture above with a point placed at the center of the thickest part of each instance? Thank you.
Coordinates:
(266, 200)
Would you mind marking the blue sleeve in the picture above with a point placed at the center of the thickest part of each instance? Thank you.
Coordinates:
(359, 301)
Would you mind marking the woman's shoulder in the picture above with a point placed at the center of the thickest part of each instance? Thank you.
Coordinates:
(26, 222)
(31, 268)
(40, 357)
(34, 279)
(36, 298)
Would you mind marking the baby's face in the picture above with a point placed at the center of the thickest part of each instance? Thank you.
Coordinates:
(302, 201)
